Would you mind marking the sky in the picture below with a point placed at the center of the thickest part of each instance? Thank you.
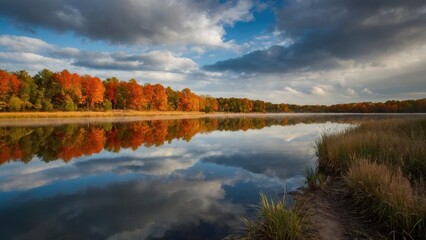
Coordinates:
(283, 51)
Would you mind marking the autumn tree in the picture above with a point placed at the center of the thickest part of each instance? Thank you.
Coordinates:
(4, 85)
(211, 104)
(69, 95)
(148, 92)
(111, 90)
(10, 87)
(160, 98)
(92, 90)
(135, 97)
(186, 101)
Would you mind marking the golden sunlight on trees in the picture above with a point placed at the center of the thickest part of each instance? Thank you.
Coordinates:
(66, 91)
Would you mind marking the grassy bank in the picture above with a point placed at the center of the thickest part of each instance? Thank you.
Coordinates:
(118, 113)
(383, 163)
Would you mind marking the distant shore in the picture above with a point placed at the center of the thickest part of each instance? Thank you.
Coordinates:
(56, 118)
(134, 113)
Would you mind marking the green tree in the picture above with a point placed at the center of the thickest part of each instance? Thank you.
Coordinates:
(172, 99)
(28, 92)
(15, 104)
(107, 105)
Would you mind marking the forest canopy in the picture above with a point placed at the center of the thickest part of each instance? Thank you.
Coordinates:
(66, 91)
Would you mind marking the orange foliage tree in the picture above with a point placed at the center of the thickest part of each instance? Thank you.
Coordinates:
(135, 98)
(70, 94)
(93, 90)
(159, 99)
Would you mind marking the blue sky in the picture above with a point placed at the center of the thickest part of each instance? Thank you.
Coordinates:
(308, 52)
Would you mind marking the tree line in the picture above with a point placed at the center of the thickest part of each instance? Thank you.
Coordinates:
(66, 91)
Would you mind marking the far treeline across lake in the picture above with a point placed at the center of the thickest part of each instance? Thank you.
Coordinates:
(65, 91)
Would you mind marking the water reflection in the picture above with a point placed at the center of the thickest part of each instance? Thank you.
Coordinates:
(75, 140)
(169, 179)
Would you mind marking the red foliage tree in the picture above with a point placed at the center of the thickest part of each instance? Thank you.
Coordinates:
(111, 90)
(9, 85)
(4, 85)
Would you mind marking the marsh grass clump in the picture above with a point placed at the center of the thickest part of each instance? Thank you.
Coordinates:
(315, 179)
(273, 221)
(388, 197)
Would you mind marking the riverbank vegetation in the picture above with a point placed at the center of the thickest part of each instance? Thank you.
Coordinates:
(65, 91)
(273, 220)
(383, 164)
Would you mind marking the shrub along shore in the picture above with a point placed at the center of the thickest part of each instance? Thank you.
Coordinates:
(380, 169)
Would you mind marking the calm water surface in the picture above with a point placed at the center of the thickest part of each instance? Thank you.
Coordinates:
(162, 179)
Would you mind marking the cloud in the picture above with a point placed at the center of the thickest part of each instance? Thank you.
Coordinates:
(350, 91)
(129, 210)
(34, 54)
(29, 58)
(163, 61)
(150, 163)
(318, 91)
(292, 91)
(22, 43)
(367, 91)
(334, 34)
(132, 22)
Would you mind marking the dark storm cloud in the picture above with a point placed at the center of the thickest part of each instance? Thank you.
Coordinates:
(129, 22)
(336, 33)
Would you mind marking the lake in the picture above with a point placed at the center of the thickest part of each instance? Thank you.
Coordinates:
(161, 179)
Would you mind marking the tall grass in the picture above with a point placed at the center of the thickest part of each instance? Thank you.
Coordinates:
(273, 221)
(315, 179)
(387, 196)
(384, 164)
(399, 143)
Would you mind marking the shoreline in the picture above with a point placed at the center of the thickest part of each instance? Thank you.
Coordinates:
(11, 119)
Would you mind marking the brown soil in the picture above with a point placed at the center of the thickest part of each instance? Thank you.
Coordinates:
(330, 216)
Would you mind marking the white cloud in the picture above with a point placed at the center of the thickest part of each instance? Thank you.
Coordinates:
(33, 54)
(22, 43)
(27, 58)
(292, 91)
(199, 50)
(350, 91)
(318, 91)
(367, 91)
